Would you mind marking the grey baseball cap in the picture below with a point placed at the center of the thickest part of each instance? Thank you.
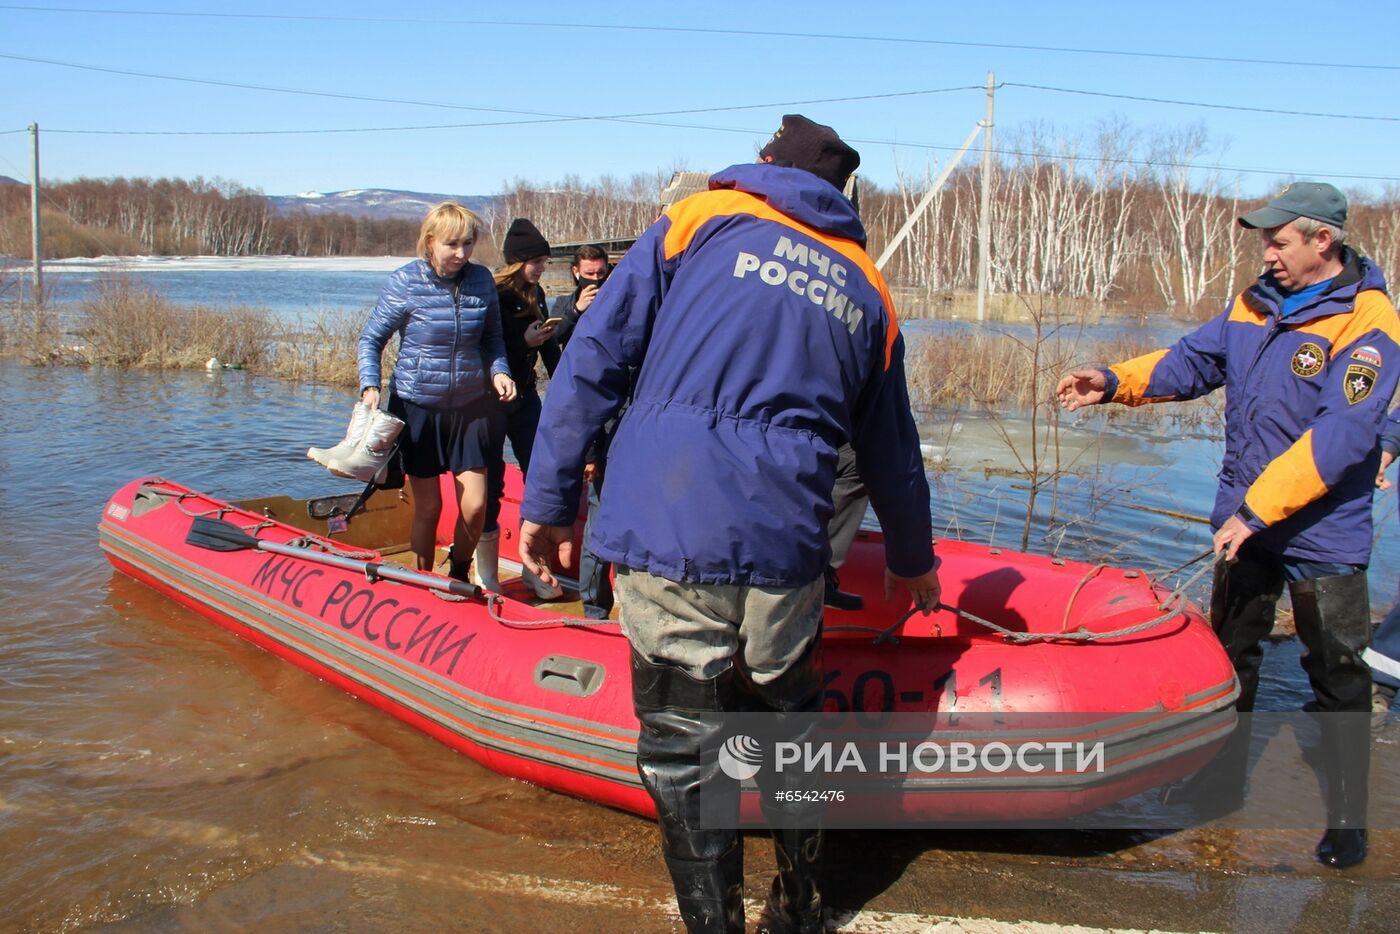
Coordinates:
(1318, 200)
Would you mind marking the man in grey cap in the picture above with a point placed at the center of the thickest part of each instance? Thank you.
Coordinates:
(1309, 356)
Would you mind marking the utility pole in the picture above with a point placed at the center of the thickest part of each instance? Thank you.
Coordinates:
(36, 238)
(925, 200)
(984, 218)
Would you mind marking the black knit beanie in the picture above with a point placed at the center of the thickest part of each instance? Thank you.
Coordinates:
(523, 242)
(803, 144)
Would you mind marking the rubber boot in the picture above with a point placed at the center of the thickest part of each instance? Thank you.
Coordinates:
(1333, 618)
(680, 716)
(542, 590)
(327, 457)
(794, 903)
(1218, 788)
(488, 559)
(1346, 747)
(369, 456)
(1242, 605)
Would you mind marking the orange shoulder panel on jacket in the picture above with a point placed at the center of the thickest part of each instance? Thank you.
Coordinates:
(1372, 312)
(1241, 313)
(689, 214)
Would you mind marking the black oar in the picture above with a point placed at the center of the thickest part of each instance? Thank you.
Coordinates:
(220, 535)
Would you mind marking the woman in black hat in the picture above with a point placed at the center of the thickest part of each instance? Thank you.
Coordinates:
(529, 337)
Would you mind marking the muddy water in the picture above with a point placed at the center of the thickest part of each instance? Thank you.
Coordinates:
(158, 773)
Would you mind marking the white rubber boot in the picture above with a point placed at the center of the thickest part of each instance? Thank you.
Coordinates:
(327, 457)
(541, 589)
(369, 458)
(488, 558)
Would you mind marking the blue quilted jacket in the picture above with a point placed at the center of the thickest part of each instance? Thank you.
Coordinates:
(449, 335)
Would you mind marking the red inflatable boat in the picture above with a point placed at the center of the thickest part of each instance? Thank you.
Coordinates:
(537, 693)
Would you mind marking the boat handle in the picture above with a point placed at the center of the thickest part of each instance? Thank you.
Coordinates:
(573, 676)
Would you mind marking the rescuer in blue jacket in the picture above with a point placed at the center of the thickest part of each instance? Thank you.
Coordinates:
(762, 337)
(1309, 359)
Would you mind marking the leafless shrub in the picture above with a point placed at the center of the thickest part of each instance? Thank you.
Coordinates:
(130, 326)
(324, 350)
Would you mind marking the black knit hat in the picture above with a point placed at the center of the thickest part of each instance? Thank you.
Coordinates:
(523, 242)
(812, 146)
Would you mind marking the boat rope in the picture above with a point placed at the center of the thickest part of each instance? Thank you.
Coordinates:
(309, 542)
(1185, 585)
(1013, 636)
(1181, 567)
(1172, 607)
(179, 496)
(888, 634)
(495, 601)
(1074, 594)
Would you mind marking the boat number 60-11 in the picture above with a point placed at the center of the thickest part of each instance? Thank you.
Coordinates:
(873, 691)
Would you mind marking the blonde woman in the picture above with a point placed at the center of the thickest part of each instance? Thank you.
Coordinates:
(451, 370)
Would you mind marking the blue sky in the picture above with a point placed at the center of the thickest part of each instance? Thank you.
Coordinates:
(543, 58)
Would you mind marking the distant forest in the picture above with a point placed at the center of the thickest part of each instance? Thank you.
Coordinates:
(1117, 216)
(125, 217)
(168, 217)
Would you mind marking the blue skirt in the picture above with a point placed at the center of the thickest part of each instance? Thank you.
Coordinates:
(437, 441)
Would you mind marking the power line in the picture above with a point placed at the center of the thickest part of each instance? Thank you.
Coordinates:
(546, 116)
(273, 89)
(747, 131)
(933, 147)
(698, 30)
(639, 118)
(1162, 100)
(556, 117)
(633, 118)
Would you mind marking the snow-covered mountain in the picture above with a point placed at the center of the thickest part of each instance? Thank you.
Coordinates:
(378, 203)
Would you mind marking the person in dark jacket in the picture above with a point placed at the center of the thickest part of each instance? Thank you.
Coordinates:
(529, 338)
(761, 338)
(450, 370)
(1309, 359)
(1383, 655)
(590, 270)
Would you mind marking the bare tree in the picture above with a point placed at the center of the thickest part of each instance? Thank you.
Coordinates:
(1194, 224)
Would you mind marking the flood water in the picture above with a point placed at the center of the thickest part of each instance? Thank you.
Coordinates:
(157, 773)
(285, 285)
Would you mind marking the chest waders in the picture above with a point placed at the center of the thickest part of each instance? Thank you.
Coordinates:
(680, 717)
